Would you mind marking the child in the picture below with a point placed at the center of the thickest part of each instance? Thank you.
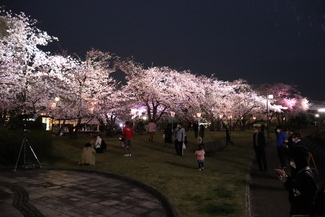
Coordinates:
(200, 157)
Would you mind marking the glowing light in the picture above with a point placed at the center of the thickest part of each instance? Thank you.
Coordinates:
(133, 111)
(321, 110)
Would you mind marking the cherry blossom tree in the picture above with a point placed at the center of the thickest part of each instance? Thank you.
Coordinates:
(84, 87)
(155, 88)
(292, 102)
(31, 79)
(24, 87)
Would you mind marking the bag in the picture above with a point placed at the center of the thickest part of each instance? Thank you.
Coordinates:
(121, 138)
(185, 141)
(184, 146)
(103, 145)
(319, 202)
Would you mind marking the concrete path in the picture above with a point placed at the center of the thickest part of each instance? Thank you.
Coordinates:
(268, 198)
(41, 192)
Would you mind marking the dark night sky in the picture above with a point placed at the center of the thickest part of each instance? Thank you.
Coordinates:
(261, 41)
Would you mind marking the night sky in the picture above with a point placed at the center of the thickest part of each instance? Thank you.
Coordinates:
(261, 41)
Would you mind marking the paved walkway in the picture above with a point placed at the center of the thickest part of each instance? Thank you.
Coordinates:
(41, 192)
(268, 198)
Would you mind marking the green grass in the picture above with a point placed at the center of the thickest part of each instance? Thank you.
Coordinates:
(219, 190)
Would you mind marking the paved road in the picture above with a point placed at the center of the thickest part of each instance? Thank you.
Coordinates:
(64, 193)
(267, 195)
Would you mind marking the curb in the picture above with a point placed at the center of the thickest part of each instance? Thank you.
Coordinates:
(21, 199)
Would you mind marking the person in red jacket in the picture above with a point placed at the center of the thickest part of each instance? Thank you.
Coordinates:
(128, 135)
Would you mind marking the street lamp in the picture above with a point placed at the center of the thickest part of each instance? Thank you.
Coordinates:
(316, 122)
(133, 113)
(230, 117)
(172, 114)
(198, 115)
(269, 97)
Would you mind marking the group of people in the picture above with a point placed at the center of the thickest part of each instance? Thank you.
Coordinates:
(300, 183)
(96, 145)
(175, 136)
(179, 138)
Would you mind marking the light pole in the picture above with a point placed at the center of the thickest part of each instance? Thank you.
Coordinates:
(172, 114)
(316, 122)
(198, 115)
(133, 113)
(230, 117)
(269, 97)
(57, 100)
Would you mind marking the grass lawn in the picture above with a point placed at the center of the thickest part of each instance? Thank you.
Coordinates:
(219, 190)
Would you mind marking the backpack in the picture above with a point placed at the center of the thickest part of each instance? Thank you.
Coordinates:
(103, 145)
(319, 202)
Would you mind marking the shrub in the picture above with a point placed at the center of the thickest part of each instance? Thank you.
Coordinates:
(11, 141)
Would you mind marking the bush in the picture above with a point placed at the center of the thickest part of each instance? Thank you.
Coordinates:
(11, 141)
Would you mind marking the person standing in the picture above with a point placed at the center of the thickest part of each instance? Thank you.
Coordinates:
(289, 144)
(179, 135)
(196, 129)
(128, 135)
(281, 146)
(259, 147)
(295, 142)
(151, 130)
(301, 186)
(168, 136)
(201, 133)
(200, 157)
(228, 133)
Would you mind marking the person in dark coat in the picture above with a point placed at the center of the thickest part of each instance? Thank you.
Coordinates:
(228, 133)
(259, 147)
(196, 129)
(168, 135)
(301, 186)
(201, 133)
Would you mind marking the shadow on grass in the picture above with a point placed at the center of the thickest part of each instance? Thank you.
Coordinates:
(222, 209)
(178, 164)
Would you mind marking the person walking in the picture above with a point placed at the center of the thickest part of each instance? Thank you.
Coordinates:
(200, 157)
(281, 146)
(301, 186)
(179, 136)
(151, 130)
(127, 133)
(168, 136)
(259, 147)
(228, 133)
